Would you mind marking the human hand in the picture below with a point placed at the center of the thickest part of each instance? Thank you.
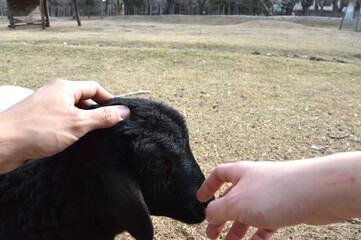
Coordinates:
(50, 120)
(263, 195)
(271, 195)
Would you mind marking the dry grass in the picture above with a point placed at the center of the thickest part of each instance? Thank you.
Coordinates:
(240, 104)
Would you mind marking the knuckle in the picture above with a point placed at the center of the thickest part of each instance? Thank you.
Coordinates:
(58, 81)
(80, 128)
(222, 165)
(95, 84)
(108, 116)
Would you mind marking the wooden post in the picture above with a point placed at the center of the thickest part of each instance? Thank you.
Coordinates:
(77, 13)
(11, 19)
(358, 20)
(343, 18)
(88, 11)
(357, 8)
(47, 14)
(190, 7)
(101, 9)
(42, 12)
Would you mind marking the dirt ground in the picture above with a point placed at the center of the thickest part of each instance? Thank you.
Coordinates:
(251, 89)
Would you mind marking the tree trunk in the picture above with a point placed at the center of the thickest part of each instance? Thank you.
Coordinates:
(317, 12)
(236, 8)
(106, 7)
(356, 9)
(200, 7)
(148, 7)
(190, 7)
(170, 7)
(289, 8)
(101, 10)
(306, 6)
(269, 12)
(254, 7)
(321, 11)
(334, 8)
(117, 7)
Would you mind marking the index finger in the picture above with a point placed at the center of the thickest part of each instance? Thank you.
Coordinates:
(90, 90)
(220, 175)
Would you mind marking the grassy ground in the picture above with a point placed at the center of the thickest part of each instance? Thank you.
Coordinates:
(251, 89)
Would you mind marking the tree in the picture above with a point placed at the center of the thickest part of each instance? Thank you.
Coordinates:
(170, 7)
(131, 5)
(306, 6)
(2, 7)
(118, 6)
(149, 7)
(288, 5)
(201, 7)
(356, 11)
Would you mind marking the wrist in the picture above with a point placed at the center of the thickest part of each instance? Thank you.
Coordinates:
(10, 138)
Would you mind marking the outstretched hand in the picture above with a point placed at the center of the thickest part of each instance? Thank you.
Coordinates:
(243, 202)
(271, 195)
(50, 120)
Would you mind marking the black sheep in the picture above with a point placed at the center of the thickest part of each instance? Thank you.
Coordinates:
(108, 182)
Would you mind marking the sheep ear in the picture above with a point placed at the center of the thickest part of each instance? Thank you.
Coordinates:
(127, 203)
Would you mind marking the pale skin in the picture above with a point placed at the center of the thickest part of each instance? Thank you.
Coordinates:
(272, 195)
(51, 119)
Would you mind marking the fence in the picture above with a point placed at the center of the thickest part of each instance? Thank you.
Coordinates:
(153, 9)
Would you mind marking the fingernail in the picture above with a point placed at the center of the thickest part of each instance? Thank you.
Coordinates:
(123, 112)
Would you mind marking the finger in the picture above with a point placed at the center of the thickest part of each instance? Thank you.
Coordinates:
(90, 90)
(223, 209)
(104, 117)
(85, 103)
(263, 234)
(213, 231)
(237, 231)
(218, 177)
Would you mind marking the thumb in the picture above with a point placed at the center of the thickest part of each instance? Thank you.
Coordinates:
(105, 117)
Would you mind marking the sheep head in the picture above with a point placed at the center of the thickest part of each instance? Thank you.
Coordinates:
(149, 167)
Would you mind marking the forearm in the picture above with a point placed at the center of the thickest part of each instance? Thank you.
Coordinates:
(334, 184)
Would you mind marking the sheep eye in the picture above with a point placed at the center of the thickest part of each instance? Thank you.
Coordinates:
(161, 166)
